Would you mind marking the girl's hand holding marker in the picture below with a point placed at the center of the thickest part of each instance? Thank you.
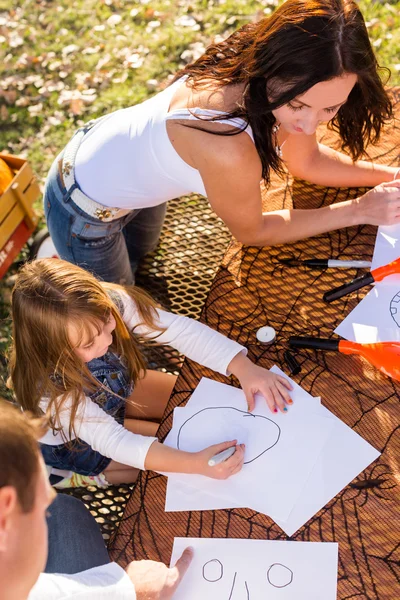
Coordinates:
(223, 460)
(164, 459)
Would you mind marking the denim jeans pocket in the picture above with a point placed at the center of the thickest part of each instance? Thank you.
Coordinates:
(90, 230)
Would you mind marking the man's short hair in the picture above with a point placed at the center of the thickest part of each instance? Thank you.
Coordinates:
(19, 452)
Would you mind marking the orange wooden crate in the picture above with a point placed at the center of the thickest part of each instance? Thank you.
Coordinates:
(17, 217)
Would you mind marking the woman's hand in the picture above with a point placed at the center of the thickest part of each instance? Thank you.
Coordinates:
(256, 380)
(381, 205)
(224, 469)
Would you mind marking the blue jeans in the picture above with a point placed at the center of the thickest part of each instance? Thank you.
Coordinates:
(75, 541)
(112, 374)
(111, 251)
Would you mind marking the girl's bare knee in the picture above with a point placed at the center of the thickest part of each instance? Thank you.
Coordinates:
(124, 476)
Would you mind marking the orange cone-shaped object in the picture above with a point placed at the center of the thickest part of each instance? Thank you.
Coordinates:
(385, 356)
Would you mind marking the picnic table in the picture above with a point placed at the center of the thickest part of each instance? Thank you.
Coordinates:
(252, 289)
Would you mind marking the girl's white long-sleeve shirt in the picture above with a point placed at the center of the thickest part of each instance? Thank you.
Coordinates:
(100, 430)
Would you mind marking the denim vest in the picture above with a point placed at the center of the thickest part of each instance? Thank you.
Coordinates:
(116, 386)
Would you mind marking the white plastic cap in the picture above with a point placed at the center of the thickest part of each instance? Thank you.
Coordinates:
(266, 335)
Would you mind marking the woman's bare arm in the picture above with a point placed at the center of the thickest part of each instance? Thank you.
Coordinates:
(231, 171)
(306, 159)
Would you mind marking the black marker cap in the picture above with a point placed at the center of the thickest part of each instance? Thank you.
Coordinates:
(292, 363)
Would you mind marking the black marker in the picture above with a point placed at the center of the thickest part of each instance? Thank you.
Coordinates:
(322, 263)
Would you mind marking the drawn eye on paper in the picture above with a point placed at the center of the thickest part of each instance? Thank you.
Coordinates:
(278, 576)
(213, 571)
(264, 433)
(395, 308)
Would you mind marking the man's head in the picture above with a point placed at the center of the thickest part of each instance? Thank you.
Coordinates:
(25, 495)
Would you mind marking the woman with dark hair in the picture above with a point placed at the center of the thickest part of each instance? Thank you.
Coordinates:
(248, 105)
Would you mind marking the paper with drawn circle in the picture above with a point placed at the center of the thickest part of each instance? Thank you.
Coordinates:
(281, 450)
(213, 570)
(376, 318)
(395, 308)
(387, 247)
(279, 575)
(233, 423)
(241, 569)
(344, 456)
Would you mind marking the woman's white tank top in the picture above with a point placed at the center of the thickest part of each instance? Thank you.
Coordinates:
(128, 161)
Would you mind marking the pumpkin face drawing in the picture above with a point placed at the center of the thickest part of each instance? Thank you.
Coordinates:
(395, 308)
(258, 432)
(277, 576)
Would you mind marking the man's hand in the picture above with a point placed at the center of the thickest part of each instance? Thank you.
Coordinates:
(154, 581)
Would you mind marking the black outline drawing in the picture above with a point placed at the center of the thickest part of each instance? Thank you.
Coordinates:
(245, 583)
(245, 414)
(394, 310)
(222, 573)
(222, 570)
(285, 567)
(233, 586)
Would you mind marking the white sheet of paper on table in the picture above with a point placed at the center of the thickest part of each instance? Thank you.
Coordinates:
(376, 318)
(345, 455)
(257, 570)
(387, 247)
(187, 498)
(345, 448)
(275, 492)
(280, 469)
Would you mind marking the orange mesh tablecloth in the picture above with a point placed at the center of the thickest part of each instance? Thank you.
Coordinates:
(250, 290)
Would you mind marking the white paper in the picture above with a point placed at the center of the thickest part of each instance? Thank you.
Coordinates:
(184, 497)
(376, 318)
(387, 247)
(237, 569)
(281, 449)
(345, 455)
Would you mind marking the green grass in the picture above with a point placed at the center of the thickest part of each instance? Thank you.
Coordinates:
(50, 49)
(68, 47)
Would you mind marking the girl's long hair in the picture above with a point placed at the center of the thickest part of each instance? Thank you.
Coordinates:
(302, 43)
(49, 295)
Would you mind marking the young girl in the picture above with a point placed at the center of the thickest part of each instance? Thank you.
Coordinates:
(76, 357)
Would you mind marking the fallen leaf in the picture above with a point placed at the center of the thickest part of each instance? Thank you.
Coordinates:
(35, 110)
(193, 52)
(76, 105)
(134, 61)
(114, 20)
(69, 49)
(187, 21)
